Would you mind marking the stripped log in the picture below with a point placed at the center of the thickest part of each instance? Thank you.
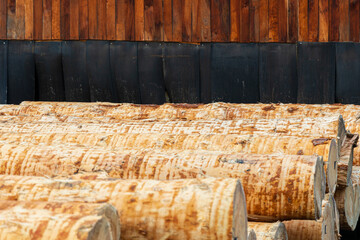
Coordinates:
(298, 179)
(210, 208)
(222, 111)
(347, 200)
(324, 228)
(269, 231)
(58, 220)
(231, 142)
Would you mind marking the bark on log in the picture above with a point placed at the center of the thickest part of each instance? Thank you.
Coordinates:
(324, 229)
(269, 231)
(58, 220)
(210, 208)
(300, 180)
(232, 143)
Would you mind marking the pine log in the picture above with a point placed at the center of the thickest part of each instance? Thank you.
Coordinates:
(347, 200)
(298, 179)
(269, 231)
(210, 208)
(231, 142)
(324, 229)
(58, 220)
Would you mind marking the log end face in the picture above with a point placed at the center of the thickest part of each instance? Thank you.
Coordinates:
(111, 214)
(101, 230)
(252, 235)
(240, 219)
(351, 208)
(332, 166)
(281, 233)
(319, 186)
(328, 225)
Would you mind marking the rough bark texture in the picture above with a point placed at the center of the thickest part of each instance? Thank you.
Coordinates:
(347, 200)
(149, 209)
(269, 231)
(300, 180)
(58, 220)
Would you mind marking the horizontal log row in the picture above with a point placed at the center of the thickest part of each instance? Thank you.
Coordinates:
(58, 220)
(192, 208)
(266, 179)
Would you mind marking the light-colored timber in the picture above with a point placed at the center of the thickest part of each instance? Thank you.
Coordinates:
(252, 235)
(266, 178)
(269, 231)
(58, 220)
(210, 208)
(166, 142)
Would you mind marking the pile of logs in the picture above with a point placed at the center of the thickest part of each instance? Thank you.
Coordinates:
(179, 171)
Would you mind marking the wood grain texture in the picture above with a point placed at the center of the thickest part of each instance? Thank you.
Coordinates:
(20, 19)
(313, 21)
(254, 20)
(334, 6)
(168, 19)
(235, 20)
(101, 20)
(11, 19)
(56, 19)
(293, 20)
(111, 19)
(303, 20)
(344, 24)
(245, 20)
(130, 20)
(3, 19)
(140, 19)
(324, 20)
(47, 19)
(186, 20)
(283, 16)
(74, 20)
(93, 19)
(65, 19)
(354, 20)
(177, 20)
(264, 20)
(84, 19)
(220, 20)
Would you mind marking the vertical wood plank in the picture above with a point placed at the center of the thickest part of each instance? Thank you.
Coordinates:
(354, 20)
(264, 20)
(186, 27)
(139, 19)
(38, 19)
(93, 19)
(74, 19)
(29, 19)
(110, 19)
(195, 21)
(313, 21)
(101, 24)
(65, 19)
(344, 25)
(254, 20)
(293, 19)
(11, 19)
(177, 20)
(84, 19)
(3, 19)
(46, 35)
(130, 20)
(168, 20)
(205, 13)
(220, 20)
(55, 19)
(303, 20)
(334, 20)
(274, 21)
(20, 19)
(149, 20)
(323, 20)
(244, 21)
(283, 19)
(235, 20)
(120, 19)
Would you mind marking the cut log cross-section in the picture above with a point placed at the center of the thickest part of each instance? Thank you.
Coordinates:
(210, 208)
(266, 178)
(269, 231)
(40, 220)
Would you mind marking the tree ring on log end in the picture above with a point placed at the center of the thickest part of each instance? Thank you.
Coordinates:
(332, 167)
(319, 186)
(240, 219)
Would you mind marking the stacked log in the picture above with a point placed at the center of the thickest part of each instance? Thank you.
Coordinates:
(254, 171)
(269, 231)
(44, 220)
(149, 209)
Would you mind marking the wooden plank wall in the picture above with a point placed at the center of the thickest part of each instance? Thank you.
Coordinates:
(181, 20)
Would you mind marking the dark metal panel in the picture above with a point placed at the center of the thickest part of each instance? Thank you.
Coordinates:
(348, 73)
(277, 72)
(124, 69)
(316, 72)
(21, 71)
(102, 88)
(49, 77)
(235, 72)
(3, 71)
(182, 72)
(151, 77)
(205, 72)
(76, 82)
